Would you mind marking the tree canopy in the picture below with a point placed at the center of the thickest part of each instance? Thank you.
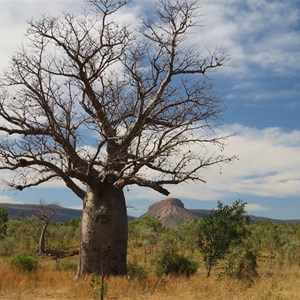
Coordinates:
(89, 98)
(222, 228)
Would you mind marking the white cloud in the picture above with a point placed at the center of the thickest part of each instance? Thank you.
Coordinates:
(257, 96)
(260, 33)
(254, 207)
(268, 166)
(268, 163)
(78, 207)
(255, 32)
(7, 199)
(14, 16)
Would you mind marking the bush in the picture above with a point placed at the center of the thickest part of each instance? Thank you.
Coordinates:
(244, 268)
(135, 271)
(24, 262)
(172, 263)
(7, 246)
(247, 268)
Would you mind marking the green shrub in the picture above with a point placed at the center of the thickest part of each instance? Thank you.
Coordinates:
(100, 286)
(24, 262)
(244, 267)
(172, 263)
(135, 271)
(7, 246)
(247, 268)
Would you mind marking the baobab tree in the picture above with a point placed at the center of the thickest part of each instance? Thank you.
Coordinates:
(44, 213)
(102, 106)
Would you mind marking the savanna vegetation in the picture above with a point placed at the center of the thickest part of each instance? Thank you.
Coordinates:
(258, 261)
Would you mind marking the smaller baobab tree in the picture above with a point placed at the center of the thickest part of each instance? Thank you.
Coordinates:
(44, 212)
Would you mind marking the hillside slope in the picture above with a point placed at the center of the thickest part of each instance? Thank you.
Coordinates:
(26, 210)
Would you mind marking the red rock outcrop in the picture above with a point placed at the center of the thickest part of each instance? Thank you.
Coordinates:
(166, 202)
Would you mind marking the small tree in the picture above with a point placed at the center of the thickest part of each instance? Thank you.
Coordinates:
(3, 222)
(267, 238)
(44, 213)
(146, 233)
(187, 233)
(222, 228)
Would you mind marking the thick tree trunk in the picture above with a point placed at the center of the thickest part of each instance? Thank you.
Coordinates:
(103, 245)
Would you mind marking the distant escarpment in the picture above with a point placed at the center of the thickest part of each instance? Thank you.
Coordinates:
(163, 203)
(170, 212)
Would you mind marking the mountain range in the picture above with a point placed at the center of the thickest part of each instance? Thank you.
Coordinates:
(171, 212)
(63, 214)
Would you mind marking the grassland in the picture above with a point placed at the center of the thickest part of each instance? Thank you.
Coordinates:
(276, 248)
(50, 283)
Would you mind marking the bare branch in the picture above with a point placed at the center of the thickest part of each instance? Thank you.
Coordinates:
(86, 99)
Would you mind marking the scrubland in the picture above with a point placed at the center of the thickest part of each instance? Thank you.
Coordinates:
(49, 283)
(275, 247)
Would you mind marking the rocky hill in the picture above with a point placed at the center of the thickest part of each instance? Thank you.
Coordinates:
(170, 212)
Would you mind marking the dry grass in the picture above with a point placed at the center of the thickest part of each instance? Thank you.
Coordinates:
(47, 283)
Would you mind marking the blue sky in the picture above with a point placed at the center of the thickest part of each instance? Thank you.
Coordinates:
(260, 86)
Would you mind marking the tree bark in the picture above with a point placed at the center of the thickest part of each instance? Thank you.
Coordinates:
(209, 265)
(103, 245)
(42, 240)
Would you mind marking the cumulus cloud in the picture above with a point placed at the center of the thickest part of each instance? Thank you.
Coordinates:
(268, 162)
(13, 21)
(268, 166)
(262, 33)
